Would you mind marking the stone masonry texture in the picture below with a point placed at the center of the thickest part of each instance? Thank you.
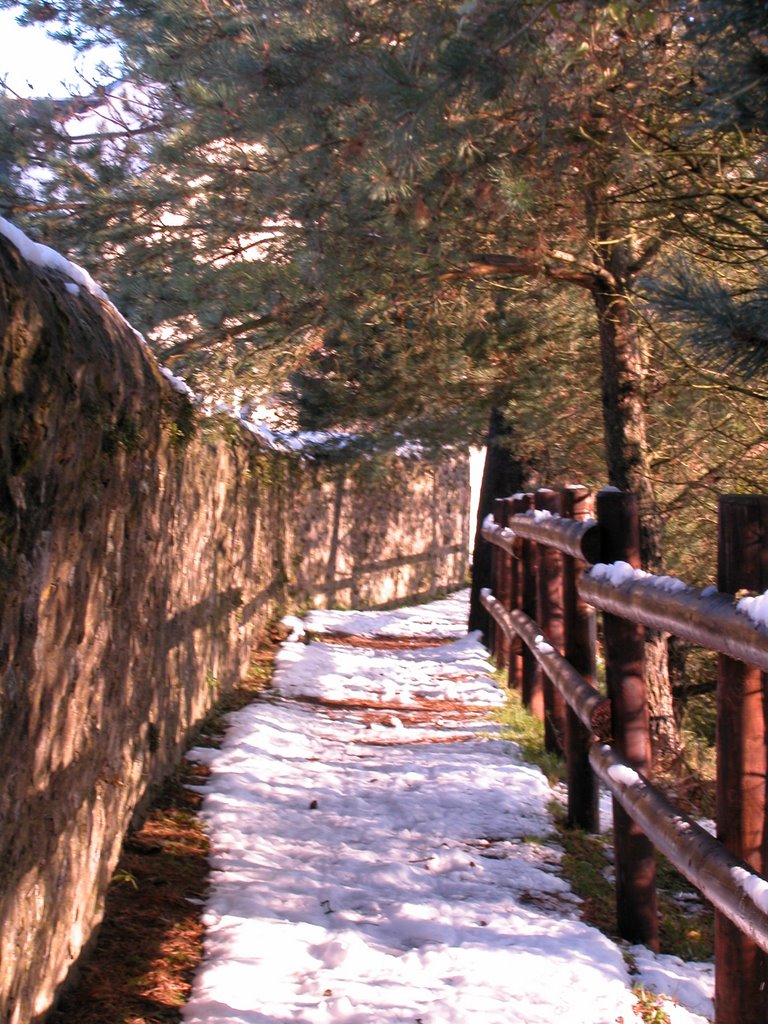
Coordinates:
(143, 550)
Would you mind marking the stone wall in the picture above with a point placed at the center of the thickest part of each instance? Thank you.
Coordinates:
(143, 548)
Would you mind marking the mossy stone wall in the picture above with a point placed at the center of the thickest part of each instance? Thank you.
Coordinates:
(143, 549)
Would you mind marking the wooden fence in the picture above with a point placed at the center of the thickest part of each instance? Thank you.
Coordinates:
(552, 566)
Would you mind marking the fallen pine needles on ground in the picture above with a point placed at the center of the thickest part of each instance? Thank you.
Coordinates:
(149, 945)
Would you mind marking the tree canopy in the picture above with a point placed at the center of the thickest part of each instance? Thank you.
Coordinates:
(400, 216)
(356, 204)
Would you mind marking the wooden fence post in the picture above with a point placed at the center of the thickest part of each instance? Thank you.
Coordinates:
(516, 504)
(635, 864)
(494, 632)
(583, 788)
(741, 968)
(533, 678)
(503, 583)
(550, 617)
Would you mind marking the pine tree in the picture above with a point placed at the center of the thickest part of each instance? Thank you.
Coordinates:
(718, 293)
(368, 153)
(346, 194)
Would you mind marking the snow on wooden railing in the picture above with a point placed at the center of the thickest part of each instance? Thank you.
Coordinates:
(552, 567)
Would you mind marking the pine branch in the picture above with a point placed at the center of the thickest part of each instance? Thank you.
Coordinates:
(523, 28)
(649, 253)
(487, 265)
(729, 334)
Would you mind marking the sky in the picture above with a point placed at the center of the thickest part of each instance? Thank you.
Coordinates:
(33, 64)
(379, 853)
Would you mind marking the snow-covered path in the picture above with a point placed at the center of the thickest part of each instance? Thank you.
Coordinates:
(380, 856)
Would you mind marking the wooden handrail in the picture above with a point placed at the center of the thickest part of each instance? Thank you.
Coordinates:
(590, 705)
(705, 619)
(729, 871)
(572, 537)
(726, 881)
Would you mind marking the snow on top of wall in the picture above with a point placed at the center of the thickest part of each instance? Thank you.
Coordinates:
(49, 259)
(176, 382)
(301, 442)
(76, 278)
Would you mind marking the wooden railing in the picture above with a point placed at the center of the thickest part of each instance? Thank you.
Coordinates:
(552, 566)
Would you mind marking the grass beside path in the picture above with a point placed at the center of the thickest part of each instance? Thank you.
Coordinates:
(686, 920)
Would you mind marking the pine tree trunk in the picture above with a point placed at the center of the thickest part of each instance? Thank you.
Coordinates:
(624, 426)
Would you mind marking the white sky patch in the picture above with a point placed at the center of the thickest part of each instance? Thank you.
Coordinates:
(367, 869)
(476, 468)
(33, 64)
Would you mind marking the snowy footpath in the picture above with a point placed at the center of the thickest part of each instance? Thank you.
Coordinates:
(380, 856)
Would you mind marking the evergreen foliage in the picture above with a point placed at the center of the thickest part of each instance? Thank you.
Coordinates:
(364, 199)
(718, 295)
(732, 85)
(727, 331)
(397, 216)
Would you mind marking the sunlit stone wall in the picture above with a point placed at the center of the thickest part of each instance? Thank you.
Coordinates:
(143, 549)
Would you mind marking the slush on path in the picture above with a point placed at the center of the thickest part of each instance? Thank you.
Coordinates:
(380, 856)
